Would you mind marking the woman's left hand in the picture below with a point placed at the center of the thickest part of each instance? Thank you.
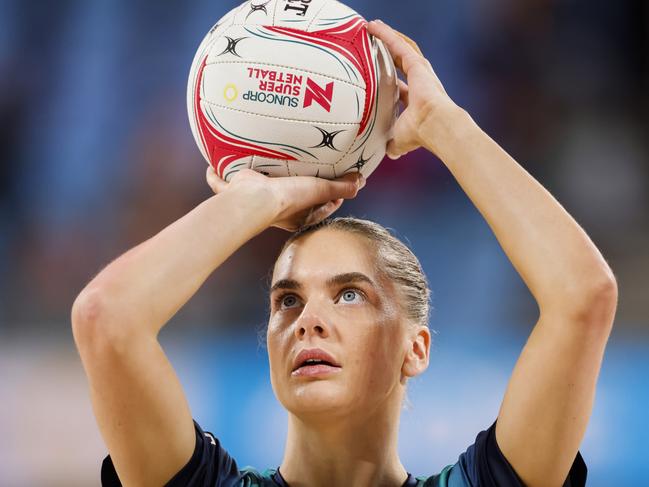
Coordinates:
(424, 99)
(293, 201)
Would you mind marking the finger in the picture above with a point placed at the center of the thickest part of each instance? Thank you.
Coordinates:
(416, 47)
(412, 43)
(217, 184)
(404, 54)
(318, 191)
(403, 92)
(349, 184)
(323, 212)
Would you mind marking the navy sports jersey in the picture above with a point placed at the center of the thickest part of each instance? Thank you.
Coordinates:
(481, 465)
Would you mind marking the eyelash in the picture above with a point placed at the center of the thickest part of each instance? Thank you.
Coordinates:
(357, 291)
(279, 299)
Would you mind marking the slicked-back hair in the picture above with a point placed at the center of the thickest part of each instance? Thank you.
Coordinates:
(394, 261)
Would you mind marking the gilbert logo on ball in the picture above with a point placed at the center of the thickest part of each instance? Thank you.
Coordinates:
(292, 88)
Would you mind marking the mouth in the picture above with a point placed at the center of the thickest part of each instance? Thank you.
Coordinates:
(314, 370)
(314, 362)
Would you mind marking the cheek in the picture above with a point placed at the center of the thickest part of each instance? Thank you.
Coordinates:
(377, 352)
(273, 343)
(277, 344)
(274, 353)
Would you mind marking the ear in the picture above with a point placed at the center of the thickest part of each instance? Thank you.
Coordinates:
(418, 353)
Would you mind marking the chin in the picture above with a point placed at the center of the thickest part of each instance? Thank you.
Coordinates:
(321, 397)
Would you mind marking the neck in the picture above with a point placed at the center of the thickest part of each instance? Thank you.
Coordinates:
(348, 451)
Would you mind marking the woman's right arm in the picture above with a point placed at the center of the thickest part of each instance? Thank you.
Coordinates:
(138, 401)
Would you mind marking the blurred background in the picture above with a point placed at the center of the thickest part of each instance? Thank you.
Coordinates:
(96, 155)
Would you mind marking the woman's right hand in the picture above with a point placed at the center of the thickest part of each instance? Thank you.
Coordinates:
(293, 202)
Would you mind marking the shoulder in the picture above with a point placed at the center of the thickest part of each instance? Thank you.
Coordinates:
(210, 466)
(483, 464)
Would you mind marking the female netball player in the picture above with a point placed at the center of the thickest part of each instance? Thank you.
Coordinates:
(348, 324)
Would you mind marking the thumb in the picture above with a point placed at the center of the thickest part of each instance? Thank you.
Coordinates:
(217, 184)
(394, 151)
(400, 143)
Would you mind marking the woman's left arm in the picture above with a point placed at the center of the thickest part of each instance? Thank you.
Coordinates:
(550, 395)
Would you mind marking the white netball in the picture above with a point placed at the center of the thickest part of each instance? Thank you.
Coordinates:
(292, 88)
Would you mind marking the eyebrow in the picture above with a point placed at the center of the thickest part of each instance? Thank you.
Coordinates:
(337, 280)
(285, 284)
(348, 278)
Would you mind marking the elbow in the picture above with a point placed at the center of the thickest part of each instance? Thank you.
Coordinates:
(84, 316)
(94, 325)
(600, 303)
(592, 302)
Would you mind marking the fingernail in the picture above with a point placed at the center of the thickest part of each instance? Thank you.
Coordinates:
(379, 21)
(362, 182)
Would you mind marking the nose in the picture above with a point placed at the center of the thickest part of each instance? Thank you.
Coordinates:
(310, 325)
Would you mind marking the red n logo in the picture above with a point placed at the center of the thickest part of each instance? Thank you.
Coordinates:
(315, 92)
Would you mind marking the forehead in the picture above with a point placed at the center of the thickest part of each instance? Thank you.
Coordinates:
(324, 253)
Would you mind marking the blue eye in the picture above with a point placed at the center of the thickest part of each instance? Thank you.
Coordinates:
(350, 295)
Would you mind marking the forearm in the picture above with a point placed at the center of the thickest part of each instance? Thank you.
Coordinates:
(145, 287)
(138, 400)
(549, 398)
(553, 255)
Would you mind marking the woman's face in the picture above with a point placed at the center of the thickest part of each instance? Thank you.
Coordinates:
(326, 294)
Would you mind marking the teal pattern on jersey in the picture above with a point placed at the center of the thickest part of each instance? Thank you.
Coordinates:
(251, 477)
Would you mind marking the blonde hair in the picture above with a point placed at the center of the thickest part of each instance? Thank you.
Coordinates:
(395, 261)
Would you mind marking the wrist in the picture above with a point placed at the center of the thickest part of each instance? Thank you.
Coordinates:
(444, 129)
(254, 206)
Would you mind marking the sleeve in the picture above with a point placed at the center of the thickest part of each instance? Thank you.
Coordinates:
(484, 465)
(210, 465)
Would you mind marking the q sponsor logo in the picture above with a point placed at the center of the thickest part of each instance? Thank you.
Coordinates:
(230, 92)
(316, 93)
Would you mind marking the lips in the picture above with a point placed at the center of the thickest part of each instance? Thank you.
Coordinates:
(314, 361)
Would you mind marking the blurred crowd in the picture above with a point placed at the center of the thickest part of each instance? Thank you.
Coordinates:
(97, 154)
